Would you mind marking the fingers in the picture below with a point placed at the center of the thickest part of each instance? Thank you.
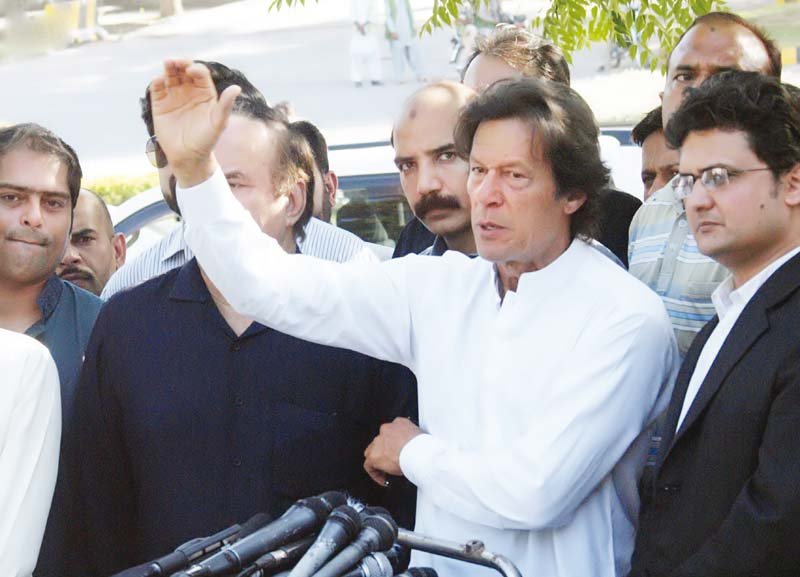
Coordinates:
(376, 474)
(175, 70)
(222, 112)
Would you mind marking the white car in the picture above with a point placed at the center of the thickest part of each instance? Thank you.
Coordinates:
(369, 201)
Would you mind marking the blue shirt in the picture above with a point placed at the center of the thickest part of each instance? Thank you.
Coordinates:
(68, 314)
(186, 428)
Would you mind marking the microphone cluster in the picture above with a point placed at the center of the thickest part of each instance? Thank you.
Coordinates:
(319, 536)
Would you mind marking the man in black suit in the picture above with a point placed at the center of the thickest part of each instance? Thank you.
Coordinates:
(722, 498)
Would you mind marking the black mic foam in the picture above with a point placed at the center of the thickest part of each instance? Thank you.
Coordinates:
(378, 534)
(340, 529)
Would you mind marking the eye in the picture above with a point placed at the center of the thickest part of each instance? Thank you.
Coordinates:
(55, 203)
(648, 178)
(447, 155)
(84, 240)
(234, 184)
(477, 170)
(405, 166)
(9, 197)
(683, 77)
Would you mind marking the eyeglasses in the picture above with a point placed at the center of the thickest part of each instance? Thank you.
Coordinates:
(154, 153)
(712, 178)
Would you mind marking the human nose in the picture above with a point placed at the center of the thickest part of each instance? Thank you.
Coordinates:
(486, 190)
(427, 179)
(32, 213)
(71, 255)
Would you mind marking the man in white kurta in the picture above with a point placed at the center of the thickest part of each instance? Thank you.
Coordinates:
(30, 433)
(535, 396)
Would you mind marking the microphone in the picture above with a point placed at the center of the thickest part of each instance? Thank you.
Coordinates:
(274, 560)
(341, 528)
(379, 533)
(194, 549)
(418, 572)
(376, 565)
(302, 518)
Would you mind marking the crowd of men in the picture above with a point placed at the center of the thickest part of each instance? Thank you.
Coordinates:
(590, 385)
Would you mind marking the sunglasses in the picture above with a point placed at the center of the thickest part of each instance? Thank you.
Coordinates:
(154, 153)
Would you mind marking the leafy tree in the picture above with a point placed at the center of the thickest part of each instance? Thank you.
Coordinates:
(646, 29)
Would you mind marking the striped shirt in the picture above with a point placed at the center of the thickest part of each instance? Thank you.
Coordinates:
(322, 240)
(664, 255)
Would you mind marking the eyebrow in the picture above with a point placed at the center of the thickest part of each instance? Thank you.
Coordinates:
(433, 152)
(234, 174)
(27, 189)
(83, 231)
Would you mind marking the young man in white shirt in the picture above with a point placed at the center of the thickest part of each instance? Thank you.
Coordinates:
(723, 498)
(540, 364)
(30, 432)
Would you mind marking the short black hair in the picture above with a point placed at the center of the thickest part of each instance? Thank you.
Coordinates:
(773, 52)
(315, 139)
(564, 127)
(750, 102)
(38, 139)
(648, 125)
(250, 102)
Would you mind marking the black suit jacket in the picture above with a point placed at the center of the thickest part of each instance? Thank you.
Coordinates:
(724, 496)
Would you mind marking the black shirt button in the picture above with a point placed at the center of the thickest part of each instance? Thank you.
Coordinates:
(237, 462)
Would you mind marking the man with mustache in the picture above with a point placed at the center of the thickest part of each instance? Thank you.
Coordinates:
(94, 252)
(432, 175)
(39, 183)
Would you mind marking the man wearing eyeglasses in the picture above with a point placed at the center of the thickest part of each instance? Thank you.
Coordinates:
(662, 252)
(723, 498)
(321, 239)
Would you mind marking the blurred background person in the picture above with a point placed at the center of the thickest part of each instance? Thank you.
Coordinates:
(94, 251)
(403, 40)
(365, 52)
(659, 161)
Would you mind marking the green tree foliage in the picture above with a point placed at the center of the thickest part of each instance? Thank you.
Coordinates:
(646, 29)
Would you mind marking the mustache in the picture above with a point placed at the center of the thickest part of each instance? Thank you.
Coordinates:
(434, 201)
(29, 236)
(75, 271)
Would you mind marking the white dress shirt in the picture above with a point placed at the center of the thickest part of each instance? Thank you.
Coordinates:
(30, 433)
(729, 304)
(322, 240)
(534, 405)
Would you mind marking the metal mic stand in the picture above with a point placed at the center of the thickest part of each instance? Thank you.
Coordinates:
(472, 552)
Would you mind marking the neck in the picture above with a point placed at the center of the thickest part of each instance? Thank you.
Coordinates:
(743, 272)
(18, 307)
(463, 241)
(237, 322)
(511, 271)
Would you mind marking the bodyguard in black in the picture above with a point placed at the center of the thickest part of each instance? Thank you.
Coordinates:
(186, 428)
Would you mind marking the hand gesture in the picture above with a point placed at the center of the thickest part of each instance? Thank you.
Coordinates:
(189, 118)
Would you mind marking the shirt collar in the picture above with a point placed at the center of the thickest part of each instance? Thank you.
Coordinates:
(50, 295)
(189, 285)
(550, 277)
(47, 302)
(176, 243)
(667, 194)
(725, 297)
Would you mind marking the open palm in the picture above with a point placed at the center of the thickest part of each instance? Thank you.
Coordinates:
(187, 115)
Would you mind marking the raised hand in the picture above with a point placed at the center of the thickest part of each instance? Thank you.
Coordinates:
(189, 118)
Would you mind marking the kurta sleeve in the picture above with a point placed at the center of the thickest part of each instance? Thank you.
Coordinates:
(360, 306)
(30, 434)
